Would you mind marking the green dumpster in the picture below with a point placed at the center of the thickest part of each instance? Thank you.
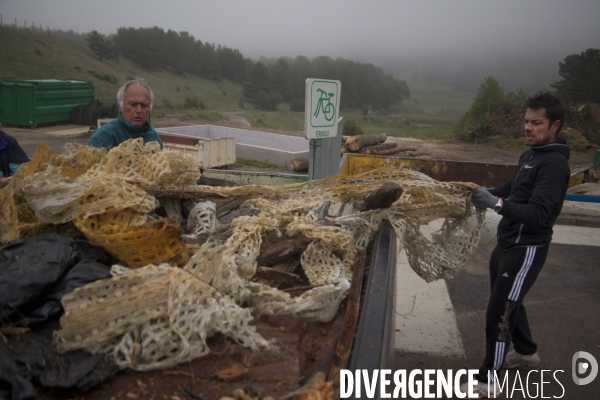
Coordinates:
(39, 102)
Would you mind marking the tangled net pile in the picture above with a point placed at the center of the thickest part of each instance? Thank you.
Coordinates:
(166, 299)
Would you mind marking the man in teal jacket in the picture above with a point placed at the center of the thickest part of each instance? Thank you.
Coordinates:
(135, 100)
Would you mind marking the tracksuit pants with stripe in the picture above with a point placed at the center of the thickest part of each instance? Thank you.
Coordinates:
(512, 273)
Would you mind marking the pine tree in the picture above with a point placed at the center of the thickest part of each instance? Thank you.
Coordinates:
(101, 46)
(580, 77)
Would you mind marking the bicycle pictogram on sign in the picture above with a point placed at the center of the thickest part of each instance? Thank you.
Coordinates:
(324, 104)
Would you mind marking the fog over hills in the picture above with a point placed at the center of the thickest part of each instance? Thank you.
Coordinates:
(454, 42)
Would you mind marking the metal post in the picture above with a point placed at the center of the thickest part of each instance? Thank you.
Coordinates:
(324, 155)
(335, 145)
(314, 159)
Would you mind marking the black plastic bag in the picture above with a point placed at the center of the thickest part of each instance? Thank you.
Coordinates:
(35, 273)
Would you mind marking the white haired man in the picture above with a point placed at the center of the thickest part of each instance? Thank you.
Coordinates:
(135, 100)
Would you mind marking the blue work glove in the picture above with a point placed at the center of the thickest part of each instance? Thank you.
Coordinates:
(481, 198)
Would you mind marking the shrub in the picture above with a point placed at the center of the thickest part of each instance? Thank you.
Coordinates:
(297, 105)
(241, 104)
(192, 102)
(78, 68)
(38, 52)
(352, 128)
(187, 88)
(224, 94)
(267, 101)
(177, 89)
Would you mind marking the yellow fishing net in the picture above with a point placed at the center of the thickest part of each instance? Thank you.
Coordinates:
(162, 312)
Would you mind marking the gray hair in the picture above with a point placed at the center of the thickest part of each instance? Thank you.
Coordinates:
(134, 81)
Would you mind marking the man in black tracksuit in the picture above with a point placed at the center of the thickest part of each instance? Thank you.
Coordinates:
(529, 205)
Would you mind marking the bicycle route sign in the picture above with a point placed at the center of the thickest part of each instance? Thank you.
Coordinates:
(322, 105)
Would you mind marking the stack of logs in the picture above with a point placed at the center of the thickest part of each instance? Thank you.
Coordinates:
(373, 144)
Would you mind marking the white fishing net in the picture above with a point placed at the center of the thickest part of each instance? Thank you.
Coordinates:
(157, 316)
(202, 219)
(152, 317)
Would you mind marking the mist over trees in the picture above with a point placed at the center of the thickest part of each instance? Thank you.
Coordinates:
(362, 84)
(513, 67)
(264, 83)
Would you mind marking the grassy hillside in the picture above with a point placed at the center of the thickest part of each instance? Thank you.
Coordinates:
(31, 55)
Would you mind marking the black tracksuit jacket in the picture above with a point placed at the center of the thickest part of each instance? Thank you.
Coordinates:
(534, 197)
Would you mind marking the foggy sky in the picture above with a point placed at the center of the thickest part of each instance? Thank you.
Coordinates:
(365, 30)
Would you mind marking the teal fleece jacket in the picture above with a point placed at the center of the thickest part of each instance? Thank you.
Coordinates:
(116, 132)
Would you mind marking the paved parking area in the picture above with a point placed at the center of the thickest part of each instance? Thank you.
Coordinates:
(563, 307)
(54, 136)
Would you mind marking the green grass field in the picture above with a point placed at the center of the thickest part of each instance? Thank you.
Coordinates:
(431, 112)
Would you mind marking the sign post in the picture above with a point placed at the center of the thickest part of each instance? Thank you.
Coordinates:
(322, 104)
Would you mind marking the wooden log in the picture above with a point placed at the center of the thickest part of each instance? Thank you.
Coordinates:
(185, 194)
(276, 277)
(273, 236)
(377, 147)
(345, 149)
(393, 150)
(351, 140)
(229, 206)
(299, 165)
(288, 265)
(383, 197)
(357, 142)
(273, 253)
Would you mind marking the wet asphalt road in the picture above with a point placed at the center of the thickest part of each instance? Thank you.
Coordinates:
(564, 313)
